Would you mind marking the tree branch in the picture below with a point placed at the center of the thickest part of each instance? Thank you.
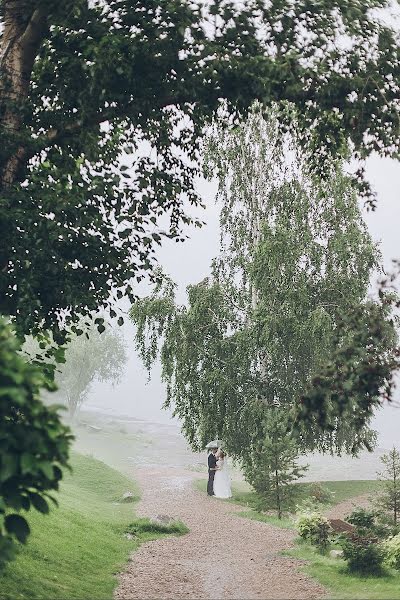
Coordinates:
(33, 36)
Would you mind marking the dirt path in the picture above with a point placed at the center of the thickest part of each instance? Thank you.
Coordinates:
(343, 509)
(222, 557)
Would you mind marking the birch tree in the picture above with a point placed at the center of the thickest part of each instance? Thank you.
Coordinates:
(295, 254)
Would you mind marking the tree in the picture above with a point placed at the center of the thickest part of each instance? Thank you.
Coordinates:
(33, 444)
(100, 356)
(274, 467)
(83, 83)
(89, 355)
(257, 330)
(389, 499)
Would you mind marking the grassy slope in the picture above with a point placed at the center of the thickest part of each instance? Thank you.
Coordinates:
(76, 551)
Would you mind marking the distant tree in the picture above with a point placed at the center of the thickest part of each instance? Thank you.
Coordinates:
(33, 444)
(83, 83)
(89, 356)
(389, 499)
(272, 468)
(101, 357)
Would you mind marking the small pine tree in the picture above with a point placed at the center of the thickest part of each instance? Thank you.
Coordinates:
(389, 499)
(274, 468)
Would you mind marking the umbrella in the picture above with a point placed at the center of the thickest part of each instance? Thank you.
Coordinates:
(214, 444)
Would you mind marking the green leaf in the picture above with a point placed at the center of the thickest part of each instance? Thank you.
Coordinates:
(27, 462)
(47, 469)
(18, 526)
(9, 465)
(39, 502)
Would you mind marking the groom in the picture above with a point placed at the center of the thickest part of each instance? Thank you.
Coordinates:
(212, 467)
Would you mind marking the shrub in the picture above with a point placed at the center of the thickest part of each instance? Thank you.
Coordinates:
(321, 494)
(314, 528)
(34, 444)
(391, 549)
(362, 554)
(373, 523)
(362, 518)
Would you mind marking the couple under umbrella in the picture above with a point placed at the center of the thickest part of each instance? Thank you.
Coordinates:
(219, 481)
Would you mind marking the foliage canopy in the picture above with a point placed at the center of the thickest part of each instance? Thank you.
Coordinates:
(103, 105)
(295, 257)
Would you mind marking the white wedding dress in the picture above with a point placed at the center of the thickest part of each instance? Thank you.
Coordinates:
(222, 480)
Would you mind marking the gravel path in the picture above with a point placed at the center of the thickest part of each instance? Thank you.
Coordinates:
(224, 556)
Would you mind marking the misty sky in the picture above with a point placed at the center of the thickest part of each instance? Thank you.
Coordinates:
(189, 263)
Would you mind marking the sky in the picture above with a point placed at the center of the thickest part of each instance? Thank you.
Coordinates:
(189, 262)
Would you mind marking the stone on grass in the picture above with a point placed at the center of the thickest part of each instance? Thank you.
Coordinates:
(336, 553)
(162, 520)
(128, 497)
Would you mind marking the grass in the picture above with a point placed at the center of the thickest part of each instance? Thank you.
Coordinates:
(331, 573)
(76, 551)
(343, 490)
(284, 523)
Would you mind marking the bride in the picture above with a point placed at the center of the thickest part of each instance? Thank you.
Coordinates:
(222, 480)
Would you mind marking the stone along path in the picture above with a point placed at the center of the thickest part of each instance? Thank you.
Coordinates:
(224, 556)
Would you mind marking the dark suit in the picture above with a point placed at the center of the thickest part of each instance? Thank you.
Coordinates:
(212, 463)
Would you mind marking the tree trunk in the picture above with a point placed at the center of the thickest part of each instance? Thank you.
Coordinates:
(25, 28)
(278, 495)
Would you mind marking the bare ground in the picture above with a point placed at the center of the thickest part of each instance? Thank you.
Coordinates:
(224, 556)
(343, 509)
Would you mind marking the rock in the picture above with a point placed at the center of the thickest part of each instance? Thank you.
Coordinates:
(129, 536)
(336, 553)
(162, 520)
(128, 497)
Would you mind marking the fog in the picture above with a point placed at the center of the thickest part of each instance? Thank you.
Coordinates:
(189, 262)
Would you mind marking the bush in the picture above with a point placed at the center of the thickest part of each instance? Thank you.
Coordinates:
(34, 444)
(362, 518)
(321, 494)
(363, 555)
(373, 523)
(314, 528)
(391, 549)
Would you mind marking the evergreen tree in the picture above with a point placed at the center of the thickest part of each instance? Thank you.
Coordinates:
(389, 499)
(273, 467)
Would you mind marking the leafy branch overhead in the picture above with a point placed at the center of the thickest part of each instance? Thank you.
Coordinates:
(103, 106)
